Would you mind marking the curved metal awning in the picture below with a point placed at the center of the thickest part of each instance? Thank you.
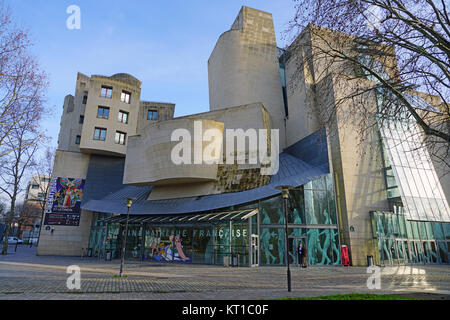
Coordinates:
(224, 216)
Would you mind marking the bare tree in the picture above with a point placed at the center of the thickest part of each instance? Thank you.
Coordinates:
(22, 83)
(26, 214)
(22, 90)
(2, 211)
(23, 140)
(397, 50)
(44, 170)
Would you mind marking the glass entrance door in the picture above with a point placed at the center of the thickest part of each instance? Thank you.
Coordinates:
(254, 251)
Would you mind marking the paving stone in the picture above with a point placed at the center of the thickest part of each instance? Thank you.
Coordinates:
(27, 276)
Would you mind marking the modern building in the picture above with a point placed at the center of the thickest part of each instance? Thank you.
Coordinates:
(32, 211)
(37, 188)
(205, 185)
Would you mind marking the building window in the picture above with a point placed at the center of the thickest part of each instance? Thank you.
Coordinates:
(100, 134)
(35, 186)
(106, 92)
(85, 99)
(81, 120)
(152, 115)
(45, 179)
(103, 112)
(41, 195)
(120, 137)
(123, 117)
(77, 140)
(125, 97)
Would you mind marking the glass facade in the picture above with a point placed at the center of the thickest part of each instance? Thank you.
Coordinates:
(97, 237)
(414, 233)
(311, 220)
(282, 62)
(255, 237)
(409, 170)
(403, 241)
(203, 243)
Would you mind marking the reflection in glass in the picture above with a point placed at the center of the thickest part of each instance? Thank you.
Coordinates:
(297, 204)
(272, 211)
(443, 251)
(420, 189)
(269, 246)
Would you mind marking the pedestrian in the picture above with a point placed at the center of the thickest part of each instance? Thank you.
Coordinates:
(305, 257)
(300, 253)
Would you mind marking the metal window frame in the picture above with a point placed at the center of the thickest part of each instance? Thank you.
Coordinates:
(108, 89)
(103, 108)
(121, 115)
(100, 133)
(125, 93)
(153, 112)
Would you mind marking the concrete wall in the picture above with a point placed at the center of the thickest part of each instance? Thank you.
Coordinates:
(149, 159)
(73, 108)
(118, 83)
(33, 194)
(67, 240)
(358, 172)
(148, 155)
(301, 94)
(165, 112)
(243, 67)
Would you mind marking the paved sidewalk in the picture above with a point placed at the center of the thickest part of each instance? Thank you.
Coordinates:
(24, 275)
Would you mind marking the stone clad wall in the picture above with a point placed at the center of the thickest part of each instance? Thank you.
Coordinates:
(67, 240)
(243, 67)
(165, 112)
(149, 160)
(148, 156)
(88, 144)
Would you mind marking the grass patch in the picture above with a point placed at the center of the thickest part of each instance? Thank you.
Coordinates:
(117, 276)
(353, 296)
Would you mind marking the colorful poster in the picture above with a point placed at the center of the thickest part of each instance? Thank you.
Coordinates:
(169, 251)
(64, 203)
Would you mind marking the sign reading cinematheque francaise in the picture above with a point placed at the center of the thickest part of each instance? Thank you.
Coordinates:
(64, 202)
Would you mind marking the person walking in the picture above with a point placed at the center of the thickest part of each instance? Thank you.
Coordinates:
(302, 255)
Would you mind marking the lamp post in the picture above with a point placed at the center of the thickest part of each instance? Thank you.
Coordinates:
(285, 194)
(129, 203)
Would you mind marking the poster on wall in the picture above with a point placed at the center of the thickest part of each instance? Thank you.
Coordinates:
(167, 249)
(64, 202)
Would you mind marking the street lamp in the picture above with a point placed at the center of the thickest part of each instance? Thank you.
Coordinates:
(285, 194)
(129, 203)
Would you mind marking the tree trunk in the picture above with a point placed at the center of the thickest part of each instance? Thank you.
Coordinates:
(40, 226)
(8, 226)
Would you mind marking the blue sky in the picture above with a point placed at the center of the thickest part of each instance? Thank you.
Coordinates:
(165, 44)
